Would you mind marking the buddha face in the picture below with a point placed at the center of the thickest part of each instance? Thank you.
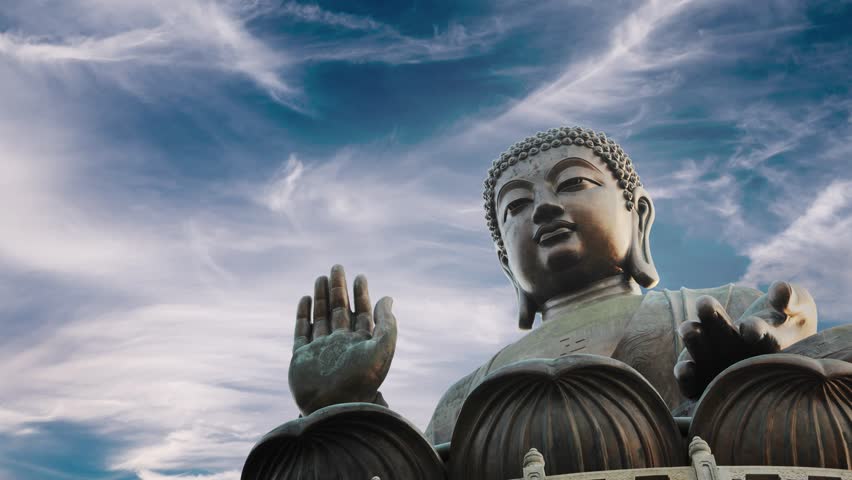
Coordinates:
(563, 221)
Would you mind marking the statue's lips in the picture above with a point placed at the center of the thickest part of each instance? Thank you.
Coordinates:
(554, 235)
(553, 232)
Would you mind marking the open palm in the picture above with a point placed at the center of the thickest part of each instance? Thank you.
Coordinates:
(783, 316)
(341, 356)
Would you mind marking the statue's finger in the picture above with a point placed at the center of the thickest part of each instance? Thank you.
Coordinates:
(302, 334)
(715, 321)
(696, 342)
(361, 295)
(757, 333)
(385, 330)
(340, 319)
(686, 374)
(363, 317)
(364, 323)
(339, 298)
(321, 313)
(339, 295)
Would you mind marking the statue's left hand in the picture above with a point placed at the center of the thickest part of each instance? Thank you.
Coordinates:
(782, 317)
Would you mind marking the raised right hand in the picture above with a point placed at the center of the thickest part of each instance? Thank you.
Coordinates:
(341, 356)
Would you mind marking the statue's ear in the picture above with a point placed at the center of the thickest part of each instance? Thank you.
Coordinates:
(526, 307)
(640, 265)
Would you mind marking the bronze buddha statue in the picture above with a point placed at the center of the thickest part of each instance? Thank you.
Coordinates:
(571, 222)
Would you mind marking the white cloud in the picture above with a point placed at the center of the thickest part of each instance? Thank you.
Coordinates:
(769, 131)
(314, 14)
(379, 42)
(630, 69)
(184, 358)
(132, 42)
(813, 250)
(229, 475)
(47, 178)
(776, 148)
(364, 201)
(678, 183)
(278, 197)
(188, 34)
(192, 370)
(453, 42)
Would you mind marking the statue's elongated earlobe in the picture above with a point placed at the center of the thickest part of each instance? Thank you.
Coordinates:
(640, 265)
(526, 310)
(526, 307)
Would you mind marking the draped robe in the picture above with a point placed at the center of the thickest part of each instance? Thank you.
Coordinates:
(638, 330)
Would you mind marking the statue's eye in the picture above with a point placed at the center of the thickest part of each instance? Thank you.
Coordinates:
(515, 207)
(576, 183)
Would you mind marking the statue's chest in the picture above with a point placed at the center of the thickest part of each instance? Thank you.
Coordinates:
(589, 332)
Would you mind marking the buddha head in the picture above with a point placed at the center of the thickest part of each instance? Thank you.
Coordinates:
(566, 209)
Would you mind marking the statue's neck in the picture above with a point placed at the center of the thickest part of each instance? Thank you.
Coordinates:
(617, 285)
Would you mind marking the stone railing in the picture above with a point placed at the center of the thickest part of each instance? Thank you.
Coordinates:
(703, 468)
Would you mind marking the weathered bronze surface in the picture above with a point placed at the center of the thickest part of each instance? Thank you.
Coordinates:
(779, 410)
(351, 441)
(571, 222)
(577, 256)
(775, 321)
(703, 467)
(572, 226)
(582, 412)
(342, 356)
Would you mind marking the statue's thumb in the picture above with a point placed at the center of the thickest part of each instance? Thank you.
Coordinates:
(781, 296)
(797, 304)
(385, 330)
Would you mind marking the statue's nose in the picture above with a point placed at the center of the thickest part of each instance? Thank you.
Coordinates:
(547, 209)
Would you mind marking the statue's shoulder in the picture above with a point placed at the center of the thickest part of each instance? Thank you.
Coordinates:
(440, 429)
(727, 293)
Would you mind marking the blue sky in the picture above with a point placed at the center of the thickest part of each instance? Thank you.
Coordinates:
(176, 174)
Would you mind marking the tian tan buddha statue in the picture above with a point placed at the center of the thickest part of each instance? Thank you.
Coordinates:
(612, 378)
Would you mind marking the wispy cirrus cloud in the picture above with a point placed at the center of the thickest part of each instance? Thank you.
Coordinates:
(630, 68)
(786, 151)
(769, 132)
(803, 251)
(380, 42)
(156, 308)
(315, 14)
(802, 153)
(229, 475)
(191, 34)
(297, 188)
(208, 35)
(455, 42)
(195, 300)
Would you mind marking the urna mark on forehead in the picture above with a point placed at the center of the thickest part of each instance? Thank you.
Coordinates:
(556, 140)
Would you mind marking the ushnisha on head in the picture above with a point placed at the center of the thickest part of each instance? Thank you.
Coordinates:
(567, 211)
